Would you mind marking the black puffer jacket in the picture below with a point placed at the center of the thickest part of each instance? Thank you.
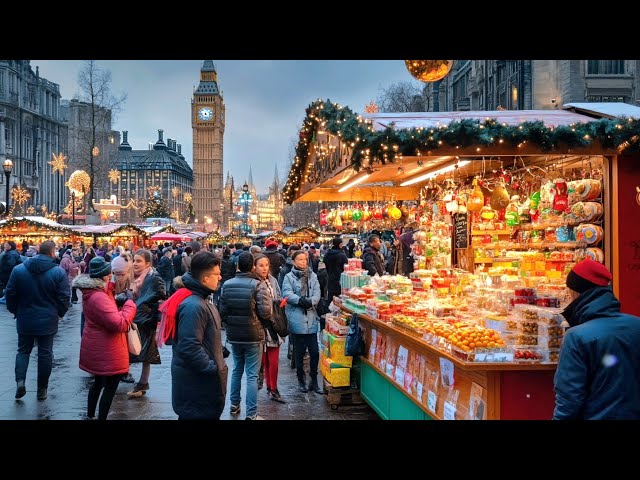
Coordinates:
(151, 294)
(198, 370)
(7, 263)
(372, 261)
(239, 304)
(286, 268)
(228, 269)
(335, 260)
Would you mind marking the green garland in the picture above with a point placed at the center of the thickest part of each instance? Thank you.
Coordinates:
(385, 146)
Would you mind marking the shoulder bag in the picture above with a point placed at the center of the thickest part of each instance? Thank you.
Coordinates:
(133, 340)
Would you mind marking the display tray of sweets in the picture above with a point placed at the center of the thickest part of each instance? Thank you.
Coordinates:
(549, 316)
(536, 327)
(526, 339)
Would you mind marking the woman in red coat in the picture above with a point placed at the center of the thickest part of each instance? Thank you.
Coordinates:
(103, 349)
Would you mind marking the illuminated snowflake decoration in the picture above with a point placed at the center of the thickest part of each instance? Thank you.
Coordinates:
(31, 210)
(188, 197)
(57, 164)
(20, 195)
(95, 152)
(153, 191)
(371, 107)
(175, 191)
(114, 175)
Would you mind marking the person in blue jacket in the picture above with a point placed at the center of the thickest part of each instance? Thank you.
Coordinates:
(38, 295)
(598, 375)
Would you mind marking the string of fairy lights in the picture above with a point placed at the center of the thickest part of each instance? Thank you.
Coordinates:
(369, 146)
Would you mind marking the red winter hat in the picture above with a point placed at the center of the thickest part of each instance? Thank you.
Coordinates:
(588, 274)
(271, 243)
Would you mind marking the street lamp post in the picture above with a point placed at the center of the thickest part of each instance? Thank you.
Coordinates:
(246, 199)
(73, 207)
(8, 168)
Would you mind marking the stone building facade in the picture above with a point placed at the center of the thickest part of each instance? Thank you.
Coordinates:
(31, 131)
(533, 84)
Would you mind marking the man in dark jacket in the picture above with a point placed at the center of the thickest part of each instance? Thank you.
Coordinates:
(198, 370)
(37, 294)
(372, 260)
(334, 259)
(234, 256)
(288, 265)
(276, 260)
(177, 263)
(598, 375)
(165, 268)
(241, 308)
(8, 262)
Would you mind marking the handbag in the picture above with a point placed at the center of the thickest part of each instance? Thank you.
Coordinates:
(133, 340)
(280, 322)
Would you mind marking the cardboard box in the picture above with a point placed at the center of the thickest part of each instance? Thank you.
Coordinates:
(336, 350)
(336, 376)
(335, 328)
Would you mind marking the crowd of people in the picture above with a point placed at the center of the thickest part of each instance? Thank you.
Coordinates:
(186, 295)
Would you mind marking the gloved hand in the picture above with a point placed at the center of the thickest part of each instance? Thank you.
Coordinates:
(122, 297)
(305, 302)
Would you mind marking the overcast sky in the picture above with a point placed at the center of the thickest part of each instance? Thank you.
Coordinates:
(265, 101)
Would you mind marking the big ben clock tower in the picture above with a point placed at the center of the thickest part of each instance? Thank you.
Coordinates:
(207, 121)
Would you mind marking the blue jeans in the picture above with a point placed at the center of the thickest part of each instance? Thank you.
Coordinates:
(45, 357)
(246, 357)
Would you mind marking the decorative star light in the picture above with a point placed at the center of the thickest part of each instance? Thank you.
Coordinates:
(57, 164)
(114, 175)
(371, 107)
(20, 195)
(31, 210)
(175, 191)
(188, 197)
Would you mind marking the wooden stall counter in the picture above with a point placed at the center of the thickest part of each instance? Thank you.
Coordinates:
(404, 377)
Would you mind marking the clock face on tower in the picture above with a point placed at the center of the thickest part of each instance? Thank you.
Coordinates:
(205, 114)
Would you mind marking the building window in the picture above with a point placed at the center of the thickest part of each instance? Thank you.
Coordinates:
(514, 97)
(607, 98)
(605, 67)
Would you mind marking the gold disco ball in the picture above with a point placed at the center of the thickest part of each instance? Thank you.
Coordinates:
(78, 180)
(429, 70)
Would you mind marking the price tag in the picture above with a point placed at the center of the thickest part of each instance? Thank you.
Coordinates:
(446, 372)
(449, 411)
(419, 391)
(399, 376)
(480, 357)
(503, 357)
(489, 357)
(432, 400)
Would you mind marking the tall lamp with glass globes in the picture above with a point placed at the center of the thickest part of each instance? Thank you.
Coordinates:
(7, 166)
(246, 198)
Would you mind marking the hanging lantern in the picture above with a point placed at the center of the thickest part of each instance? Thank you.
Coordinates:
(429, 70)
(356, 215)
(367, 214)
(394, 213)
(476, 199)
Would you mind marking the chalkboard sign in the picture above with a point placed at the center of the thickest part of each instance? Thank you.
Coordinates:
(460, 230)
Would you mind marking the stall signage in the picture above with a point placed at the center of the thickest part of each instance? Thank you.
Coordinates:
(419, 391)
(432, 400)
(329, 155)
(461, 230)
(449, 411)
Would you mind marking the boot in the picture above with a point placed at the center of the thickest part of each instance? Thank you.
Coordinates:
(313, 385)
(21, 390)
(42, 393)
(301, 386)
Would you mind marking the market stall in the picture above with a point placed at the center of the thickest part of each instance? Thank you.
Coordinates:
(510, 198)
(301, 235)
(116, 234)
(34, 229)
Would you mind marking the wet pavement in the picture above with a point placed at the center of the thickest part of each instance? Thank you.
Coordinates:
(68, 386)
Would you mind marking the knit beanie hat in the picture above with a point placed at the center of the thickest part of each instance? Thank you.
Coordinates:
(99, 267)
(120, 265)
(588, 274)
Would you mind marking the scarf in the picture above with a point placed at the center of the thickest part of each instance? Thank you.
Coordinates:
(303, 275)
(136, 286)
(168, 311)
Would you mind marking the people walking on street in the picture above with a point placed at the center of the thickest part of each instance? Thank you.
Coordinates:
(38, 295)
(242, 306)
(276, 259)
(103, 348)
(148, 291)
(372, 259)
(186, 260)
(165, 268)
(72, 269)
(271, 353)
(8, 262)
(302, 291)
(335, 260)
(122, 270)
(598, 374)
(198, 369)
(286, 268)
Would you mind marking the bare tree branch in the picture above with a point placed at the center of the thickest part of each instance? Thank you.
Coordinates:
(95, 123)
(402, 97)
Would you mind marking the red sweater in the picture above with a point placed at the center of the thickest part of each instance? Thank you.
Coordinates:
(103, 349)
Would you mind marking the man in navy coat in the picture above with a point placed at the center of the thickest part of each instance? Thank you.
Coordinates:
(598, 374)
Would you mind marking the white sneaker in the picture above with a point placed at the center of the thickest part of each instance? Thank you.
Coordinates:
(255, 417)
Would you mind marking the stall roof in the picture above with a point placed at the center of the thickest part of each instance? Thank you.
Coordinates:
(41, 220)
(407, 120)
(605, 109)
(108, 229)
